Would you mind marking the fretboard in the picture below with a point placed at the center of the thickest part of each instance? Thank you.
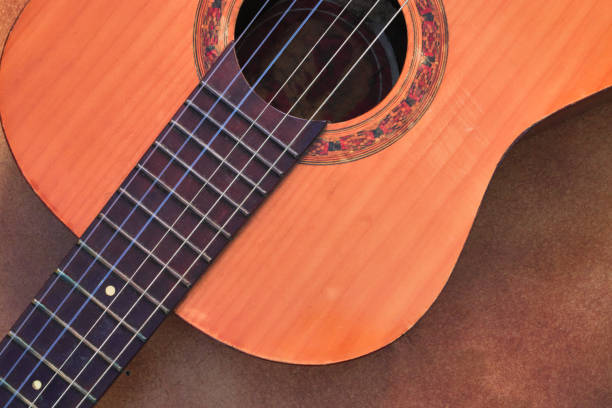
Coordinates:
(196, 186)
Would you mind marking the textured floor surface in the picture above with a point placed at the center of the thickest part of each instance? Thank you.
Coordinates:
(525, 320)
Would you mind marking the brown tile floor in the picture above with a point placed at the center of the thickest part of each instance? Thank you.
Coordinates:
(525, 320)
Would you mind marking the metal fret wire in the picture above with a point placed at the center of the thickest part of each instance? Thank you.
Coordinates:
(182, 178)
(319, 107)
(297, 135)
(203, 220)
(145, 160)
(172, 191)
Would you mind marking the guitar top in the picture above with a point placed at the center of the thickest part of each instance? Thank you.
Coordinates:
(359, 239)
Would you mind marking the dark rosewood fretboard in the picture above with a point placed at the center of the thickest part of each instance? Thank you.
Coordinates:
(186, 198)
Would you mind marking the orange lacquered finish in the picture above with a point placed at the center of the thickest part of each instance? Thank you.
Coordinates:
(342, 259)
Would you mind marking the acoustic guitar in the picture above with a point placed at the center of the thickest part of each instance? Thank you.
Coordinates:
(156, 129)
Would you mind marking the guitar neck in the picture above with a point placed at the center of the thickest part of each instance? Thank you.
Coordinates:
(196, 186)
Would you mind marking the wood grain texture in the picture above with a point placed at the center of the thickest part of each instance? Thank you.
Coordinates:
(342, 259)
(523, 320)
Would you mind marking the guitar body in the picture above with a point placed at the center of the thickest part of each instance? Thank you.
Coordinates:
(356, 244)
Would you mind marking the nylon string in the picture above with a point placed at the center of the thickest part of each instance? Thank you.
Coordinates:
(176, 221)
(285, 150)
(184, 108)
(139, 203)
(190, 169)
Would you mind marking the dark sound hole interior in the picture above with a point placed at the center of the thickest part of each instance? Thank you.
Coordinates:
(370, 81)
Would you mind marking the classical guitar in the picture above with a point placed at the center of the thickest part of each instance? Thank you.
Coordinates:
(156, 129)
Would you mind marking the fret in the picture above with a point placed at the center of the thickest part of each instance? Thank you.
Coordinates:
(117, 272)
(4, 399)
(101, 305)
(126, 302)
(136, 266)
(32, 368)
(207, 169)
(179, 236)
(123, 276)
(217, 173)
(203, 180)
(215, 207)
(292, 131)
(80, 326)
(173, 252)
(217, 156)
(50, 365)
(236, 139)
(66, 348)
(254, 160)
(247, 117)
(82, 339)
(184, 201)
(216, 136)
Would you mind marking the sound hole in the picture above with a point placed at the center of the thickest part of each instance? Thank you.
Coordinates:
(370, 81)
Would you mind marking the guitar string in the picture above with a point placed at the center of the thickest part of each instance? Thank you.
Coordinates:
(205, 216)
(93, 229)
(78, 312)
(213, 205)
(139, 203)
(111, 205)
(346, 75)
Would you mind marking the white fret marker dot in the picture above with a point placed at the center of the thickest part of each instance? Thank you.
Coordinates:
(110, 290)
(37, 385)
